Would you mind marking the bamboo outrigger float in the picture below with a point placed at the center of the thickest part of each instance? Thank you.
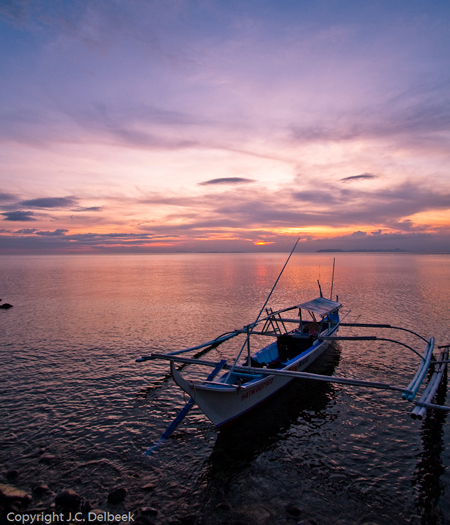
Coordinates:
(247, 382)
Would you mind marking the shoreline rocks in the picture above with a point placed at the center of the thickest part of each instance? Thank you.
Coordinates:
(117, 495)
(68, 499)
(10, 494)
(43, 500)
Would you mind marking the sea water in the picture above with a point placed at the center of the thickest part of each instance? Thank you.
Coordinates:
(77, 411)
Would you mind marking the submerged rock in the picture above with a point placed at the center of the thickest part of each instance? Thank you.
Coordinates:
(68, 499)
(47, 459)
(293, 510)
(143, 520)
(117, 495)
(86, 507)
(223, 506)
(149, 511)
(41, 489)
(8, 494)
(188, 520)
(12, 475)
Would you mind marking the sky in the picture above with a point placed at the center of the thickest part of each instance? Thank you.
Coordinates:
(149, 126)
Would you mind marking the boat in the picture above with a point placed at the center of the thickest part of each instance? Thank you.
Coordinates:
(239, 389)
(299, 335)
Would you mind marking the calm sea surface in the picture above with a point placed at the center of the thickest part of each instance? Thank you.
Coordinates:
(70, 417)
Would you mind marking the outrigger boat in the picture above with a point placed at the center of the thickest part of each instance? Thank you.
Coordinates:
(247, 382)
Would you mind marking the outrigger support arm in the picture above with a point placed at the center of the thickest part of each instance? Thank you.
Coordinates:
(181, 415)
(371, 325)
(365, 338)
(285, 373)
(214, 342)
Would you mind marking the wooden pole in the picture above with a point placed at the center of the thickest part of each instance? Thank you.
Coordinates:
(286, 373)
(264, 305)
(332, 281)
(181, 415)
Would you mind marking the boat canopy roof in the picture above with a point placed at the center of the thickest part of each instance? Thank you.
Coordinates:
(321, 306)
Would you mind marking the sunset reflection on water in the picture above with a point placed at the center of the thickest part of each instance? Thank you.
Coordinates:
(68, 350)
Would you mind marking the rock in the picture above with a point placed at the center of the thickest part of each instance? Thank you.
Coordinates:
(14, 508)
(293, 510)
(117, 495)
(223, 506)
(68, 499)
(86, 507)
(12, 475)
(8, 494)
(41, 489)
(188, 520)
(5, 306)
(148, 487)
(143, 520)
(149, 511)
(337, 478)
(47, 459)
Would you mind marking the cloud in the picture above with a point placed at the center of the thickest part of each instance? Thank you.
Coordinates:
(363, 176)
(227, 180)
(49, 202)
(413, 120)
(317, 197)
(59, 242)
(191, 87)
(91, 208)
(243, 241)
(414, 242)
(58, 232)
(26, 231)
(19, 216)
(333, 205)
(6, 197)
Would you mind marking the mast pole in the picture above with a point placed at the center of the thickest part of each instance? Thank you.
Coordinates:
(262, 309)
(332, 280)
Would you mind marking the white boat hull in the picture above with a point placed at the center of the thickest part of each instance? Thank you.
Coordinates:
(224, 403)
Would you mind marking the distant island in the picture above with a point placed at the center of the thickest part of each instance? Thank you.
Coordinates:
(393, 250)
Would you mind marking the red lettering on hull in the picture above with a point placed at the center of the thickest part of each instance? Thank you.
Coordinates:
(257, 388)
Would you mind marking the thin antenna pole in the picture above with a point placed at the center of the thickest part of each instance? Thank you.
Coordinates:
(264, 305)
(320, 288)
(332, 280)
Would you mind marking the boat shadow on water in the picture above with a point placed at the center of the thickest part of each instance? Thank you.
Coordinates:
(302, 402)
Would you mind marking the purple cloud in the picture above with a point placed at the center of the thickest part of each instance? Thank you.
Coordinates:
(49, 202)
(19, 216)
(92, 208)
(26, 231)
(6, 197)
(363, 176)
(56, 233)
(227, 180)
